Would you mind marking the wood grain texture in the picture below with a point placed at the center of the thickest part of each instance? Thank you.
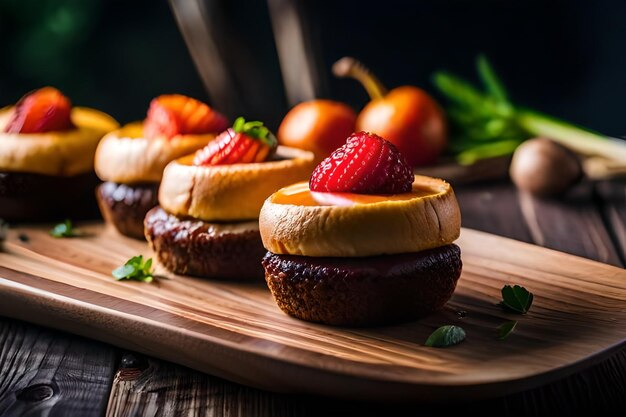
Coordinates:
(612, 198)
(494, 209)
(572, 224)
(235, 331)
(491, 169)
(45, 373)
(150, 387)
(553, 221)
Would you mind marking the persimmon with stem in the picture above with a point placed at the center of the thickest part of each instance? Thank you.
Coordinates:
(406, 116)
(319, 126)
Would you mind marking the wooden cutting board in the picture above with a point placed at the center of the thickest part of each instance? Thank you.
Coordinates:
(236, 331)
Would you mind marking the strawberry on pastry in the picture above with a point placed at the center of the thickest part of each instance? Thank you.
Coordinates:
(47, 151)
(43, 110)
(366, 164)
(245, 142)
(174, 114)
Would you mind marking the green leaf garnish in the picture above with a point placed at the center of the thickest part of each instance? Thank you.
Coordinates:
(256, 130)
(446, 336)
(64, 229)
(505, 329)
(516, 298)
(135, 269)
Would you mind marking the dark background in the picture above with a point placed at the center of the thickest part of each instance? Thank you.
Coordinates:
(562, 57)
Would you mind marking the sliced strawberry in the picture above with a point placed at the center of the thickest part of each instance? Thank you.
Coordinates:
(175, 114)
(366, 164)
(244, 143)
(43, 110)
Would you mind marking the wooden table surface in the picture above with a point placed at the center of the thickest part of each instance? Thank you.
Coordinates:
(46, 372)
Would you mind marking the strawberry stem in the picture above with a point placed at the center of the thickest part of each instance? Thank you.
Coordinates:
(256, 130)
(350, 67)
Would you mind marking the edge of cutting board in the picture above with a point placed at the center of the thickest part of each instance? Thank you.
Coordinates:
(100, 316)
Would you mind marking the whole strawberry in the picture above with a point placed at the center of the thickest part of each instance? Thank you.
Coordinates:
(174, 114)
(43, 110)
(366, 164)
(244, 143)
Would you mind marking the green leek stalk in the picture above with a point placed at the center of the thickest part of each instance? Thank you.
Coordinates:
(579, 140)
(486, 124)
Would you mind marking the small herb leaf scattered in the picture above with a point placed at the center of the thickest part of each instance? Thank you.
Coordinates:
(123, 271)
(506, 328)
(135, 269)
(446, 336)
(65, 229)
(516, 298)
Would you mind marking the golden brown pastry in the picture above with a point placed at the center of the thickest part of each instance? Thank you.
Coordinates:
(46, 157)
(131, 160)
(207, 222)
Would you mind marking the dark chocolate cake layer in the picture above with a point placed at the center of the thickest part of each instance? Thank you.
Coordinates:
(230, 251)
(364, 291)
(28, 197)
(125, 206)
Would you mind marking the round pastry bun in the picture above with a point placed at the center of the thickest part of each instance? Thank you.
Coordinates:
(125, 156)
(364, 229)
(61, 153)
(230, 192)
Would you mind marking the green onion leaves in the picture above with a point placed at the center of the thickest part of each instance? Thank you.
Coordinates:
(486, 124)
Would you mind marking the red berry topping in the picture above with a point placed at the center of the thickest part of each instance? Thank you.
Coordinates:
(175, 114)
(366, 164)
(245, 142)
(43, 110)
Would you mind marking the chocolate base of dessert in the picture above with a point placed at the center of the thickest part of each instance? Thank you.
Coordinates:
(39, 197)
(125, 206)
(364, 291)
(229, 251)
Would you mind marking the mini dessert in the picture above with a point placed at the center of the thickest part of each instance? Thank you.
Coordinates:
(46, 157)
(207, 222)
(365, 242)
(131, 160)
